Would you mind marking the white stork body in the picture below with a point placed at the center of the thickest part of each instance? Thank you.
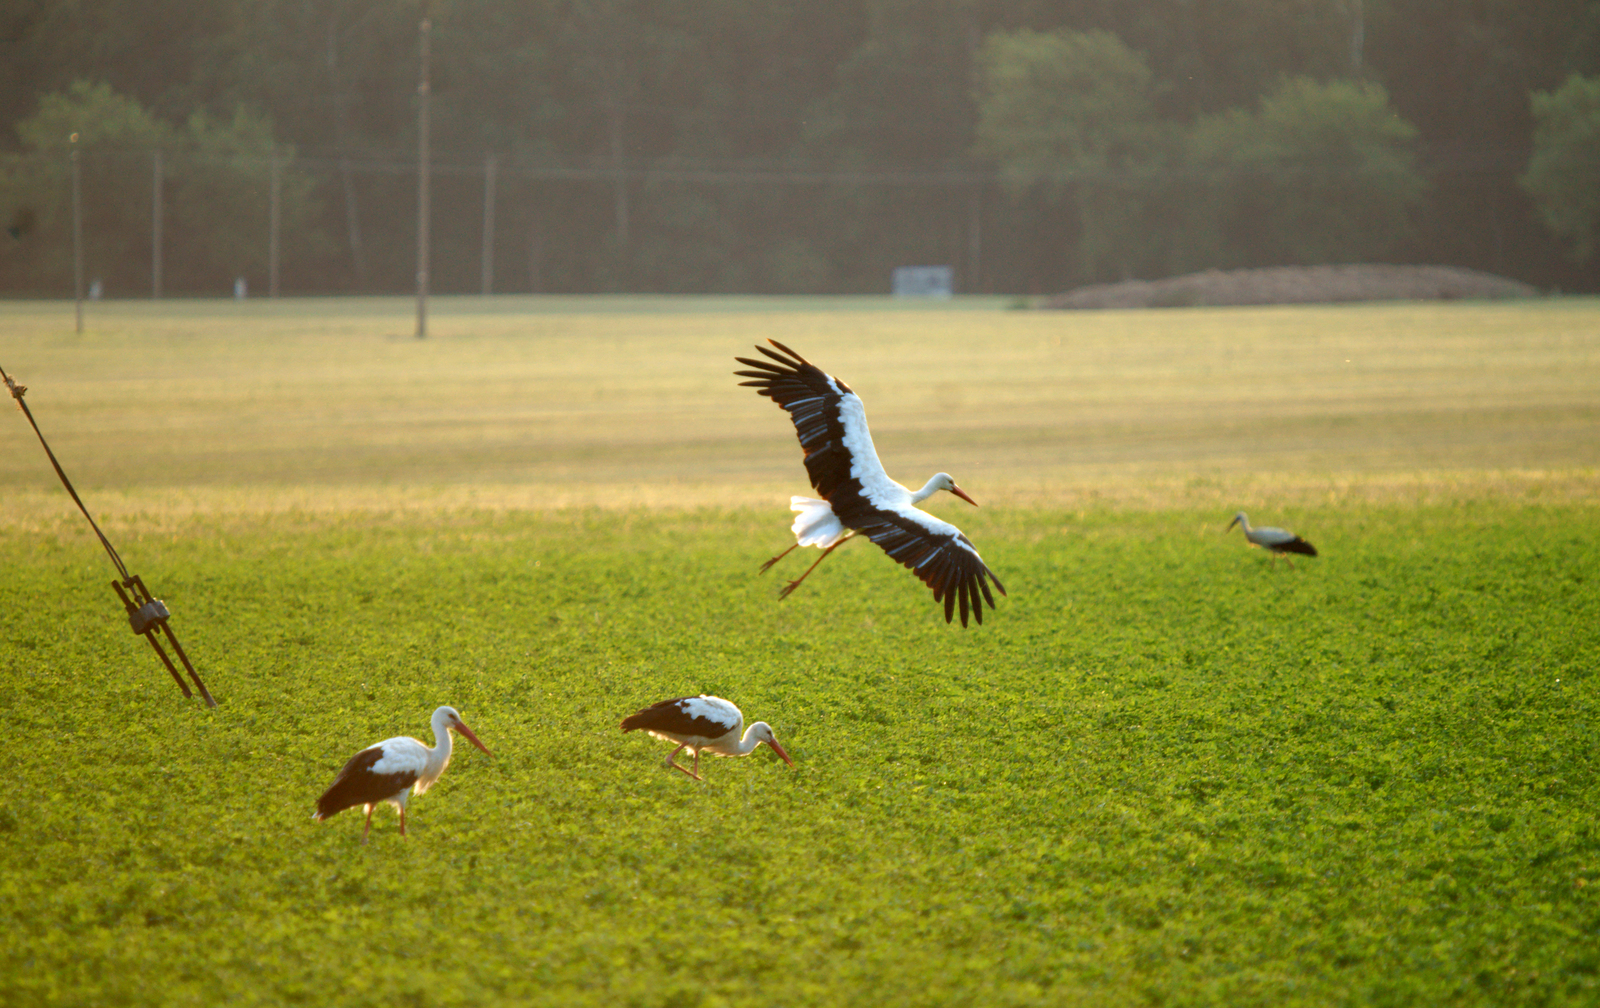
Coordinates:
(392, 770)
(858, 495)
(1277, 541)
(702, 722)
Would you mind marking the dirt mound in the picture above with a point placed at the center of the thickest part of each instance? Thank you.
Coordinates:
(1296, 285)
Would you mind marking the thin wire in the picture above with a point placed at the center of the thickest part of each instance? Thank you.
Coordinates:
(16, 393)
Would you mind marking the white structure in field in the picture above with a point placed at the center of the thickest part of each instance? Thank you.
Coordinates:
(924, 281)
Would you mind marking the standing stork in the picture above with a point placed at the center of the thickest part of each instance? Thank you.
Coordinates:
(857, 494)
(702, 722)
(1276, 541)
(392, 770)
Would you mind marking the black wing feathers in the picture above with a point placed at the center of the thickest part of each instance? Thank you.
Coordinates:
(1296, 545)
(671, 717)
(946, 564)
(358, 785)
(811, 399)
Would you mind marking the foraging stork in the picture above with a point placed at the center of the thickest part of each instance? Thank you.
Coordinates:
(1276, 541)
(392, 770)
(702, 722)
(857, 495)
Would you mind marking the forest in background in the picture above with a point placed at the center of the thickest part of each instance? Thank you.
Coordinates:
(778, 146)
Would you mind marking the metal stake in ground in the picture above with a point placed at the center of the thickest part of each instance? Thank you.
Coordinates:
(146, 613)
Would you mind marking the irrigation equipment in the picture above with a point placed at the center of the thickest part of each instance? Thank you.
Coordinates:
(147, 614)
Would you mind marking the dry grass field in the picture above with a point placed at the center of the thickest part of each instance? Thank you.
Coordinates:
(540, 402)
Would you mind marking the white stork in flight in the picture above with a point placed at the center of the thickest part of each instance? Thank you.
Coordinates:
(702, 722)
(392, 770)
(1276, 541)
(857, 495)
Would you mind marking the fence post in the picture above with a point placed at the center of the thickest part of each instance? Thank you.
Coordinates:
(77, 234)
(273, 212)
(488, 223)
(974, 240)
(155, 223)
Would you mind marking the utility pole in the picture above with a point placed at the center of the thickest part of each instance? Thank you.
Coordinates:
(422, 183)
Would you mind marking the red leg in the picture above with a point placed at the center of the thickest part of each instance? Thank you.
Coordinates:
(402, 820)
(792, 585)
(674, 764)
(775, 559)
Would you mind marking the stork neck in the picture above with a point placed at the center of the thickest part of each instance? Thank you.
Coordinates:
(748, 742)
(439, 755)
(928, 490)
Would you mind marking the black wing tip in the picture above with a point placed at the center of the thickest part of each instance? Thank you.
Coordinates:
(785, 349)
(638, 720)
(963, 582)
(1300, 546)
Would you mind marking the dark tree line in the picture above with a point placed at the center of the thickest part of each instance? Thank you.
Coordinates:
(779, 145)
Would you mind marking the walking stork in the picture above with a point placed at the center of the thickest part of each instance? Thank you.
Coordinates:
(1276, 541)
(857, 494)
(392, 770)
(702, 722)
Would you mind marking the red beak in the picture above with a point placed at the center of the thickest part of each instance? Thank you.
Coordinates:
(466, 733)
(779, 750)
(963, 495)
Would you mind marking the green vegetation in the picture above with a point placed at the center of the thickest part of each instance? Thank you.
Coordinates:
(213, 173)
(1565, 144)
(1163, 772)
(1321, 173)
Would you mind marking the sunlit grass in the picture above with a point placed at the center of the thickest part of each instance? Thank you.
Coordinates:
(1162, 772)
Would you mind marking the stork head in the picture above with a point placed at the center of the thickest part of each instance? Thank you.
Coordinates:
(1238, 519)
(762, 732)
(943, 481)
(446, 717)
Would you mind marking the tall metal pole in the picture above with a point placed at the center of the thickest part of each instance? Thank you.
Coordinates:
(77, 234)
(422, 185)
(155, 224)
(488, 223)
(273, 212)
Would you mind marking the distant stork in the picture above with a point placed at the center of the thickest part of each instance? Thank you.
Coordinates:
(1274, 540)
(391, 769)
(702, 722)
(858, 496)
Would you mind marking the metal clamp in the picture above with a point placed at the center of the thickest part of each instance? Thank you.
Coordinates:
(147, 616)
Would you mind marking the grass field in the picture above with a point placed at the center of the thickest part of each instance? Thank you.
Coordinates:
(1163, 772)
